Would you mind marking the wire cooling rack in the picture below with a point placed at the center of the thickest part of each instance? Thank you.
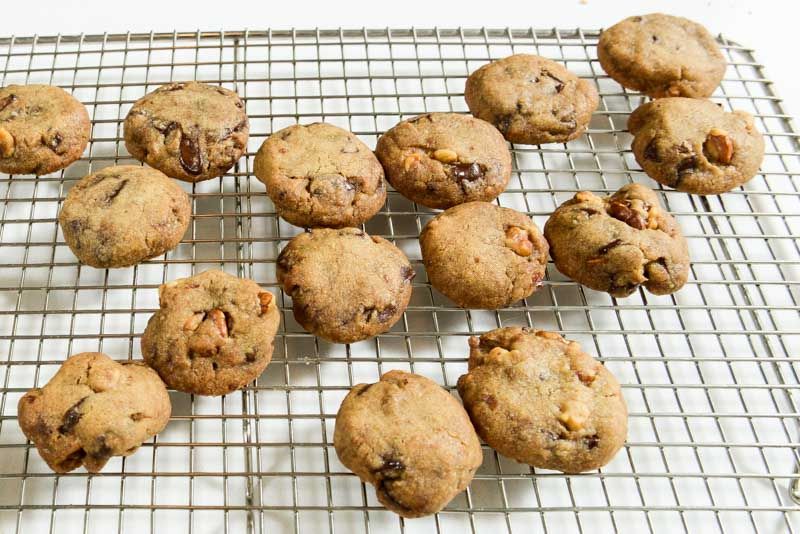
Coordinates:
(710, 373)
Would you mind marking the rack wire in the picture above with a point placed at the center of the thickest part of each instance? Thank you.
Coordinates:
(710, 373)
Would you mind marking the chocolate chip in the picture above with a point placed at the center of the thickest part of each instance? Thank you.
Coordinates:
(72, 461)
(386, 313)
(559, 82)
(624, 213)
(654, 38)
(651, 151)
(7, 101)
(54, 142)
(215, 366)
(236, 129)
(591, 441)
(687, 165)
(391, 468)
(191, 159)
(408, 273)
(114, 193)
(467, 171)
(71, 417)
(503, 123)
(138, 416)
(606, 248)
(102, 450)
(165, 128)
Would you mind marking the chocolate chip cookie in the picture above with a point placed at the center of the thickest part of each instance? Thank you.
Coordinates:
(539, 399)
(443, 159)
(483, 256)
(345, 285)
(321, 175)
(213, 334)
(42, 129)
(531, 99)
(619, 242)
(694, 145)
(409, 438)
(661, 55)
(123, 215)
(188, 130)
(92, 409)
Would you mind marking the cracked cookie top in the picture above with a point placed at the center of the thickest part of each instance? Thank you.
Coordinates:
(321, 175)
(409, 438)
(619, 242)
(539, 399)
(440, 160)
(213, 333)
(42, 129)
(92, 409)
(345, 285)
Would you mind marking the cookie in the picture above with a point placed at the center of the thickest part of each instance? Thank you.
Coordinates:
(123, 215)
(213, 333)
(694, 145)
(92, 409)
(483, 256)
(440, 160)
(321, 175)
(531, 99)
(42, 129)
(410, 439)
(345, 285)
(537, 398)
(188, 130)
(662, 55)
(619, 242)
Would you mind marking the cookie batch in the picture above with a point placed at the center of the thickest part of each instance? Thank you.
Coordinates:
(531, 395)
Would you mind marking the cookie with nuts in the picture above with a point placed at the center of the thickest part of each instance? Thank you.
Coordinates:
(321, 175)
(440, 160)
(92, 409)
(213, 333)
(537, 398)
(531, 99)
(191, 131)
(42, 129)
(481, 255)
(694, 145)
(619, 242)
(410, 439)
(346, 286)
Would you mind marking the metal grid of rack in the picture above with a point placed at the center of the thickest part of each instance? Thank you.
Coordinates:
(710, 373)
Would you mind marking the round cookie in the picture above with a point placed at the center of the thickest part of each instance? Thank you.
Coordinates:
(213, 333)
(531, 99)
(694, 145)
(440, 160)
(483, 256)
(92, 409)
(321, 175)
(42, 129)
(662, 55)
(123, 215)
(539, 399)
(345, 285)
(409, 438)
(619, 242)
(188, 130)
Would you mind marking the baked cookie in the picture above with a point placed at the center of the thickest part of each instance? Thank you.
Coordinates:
(483, 256)
(661, 55)
(443, 159)
(531, 99)
(321, 175)
(345, 285)
(123, 215)
(213, 333)
(188, 130)
(92, 409)
(539, 399)
(409, 438)
(694, 145)
(619, 242)
(42, 129)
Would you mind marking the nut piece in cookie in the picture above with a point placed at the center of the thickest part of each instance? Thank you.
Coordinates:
(346, 286)
(694, 145)
(188, 130)
(531, 99)
(440, 160)
(483, 256)
(321, 175)
(619, 242)
(92, 409)
(123, 215)
(409, 438)
(662, 55)
(537, 398)
(213, 333)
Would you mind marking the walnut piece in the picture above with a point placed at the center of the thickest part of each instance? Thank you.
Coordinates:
(264, 299)
(518, 240)
(445, 155)
(217, 317)
(6, 144)
(573, 414)
(719, 146)
(411, 160)
(193, 322)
